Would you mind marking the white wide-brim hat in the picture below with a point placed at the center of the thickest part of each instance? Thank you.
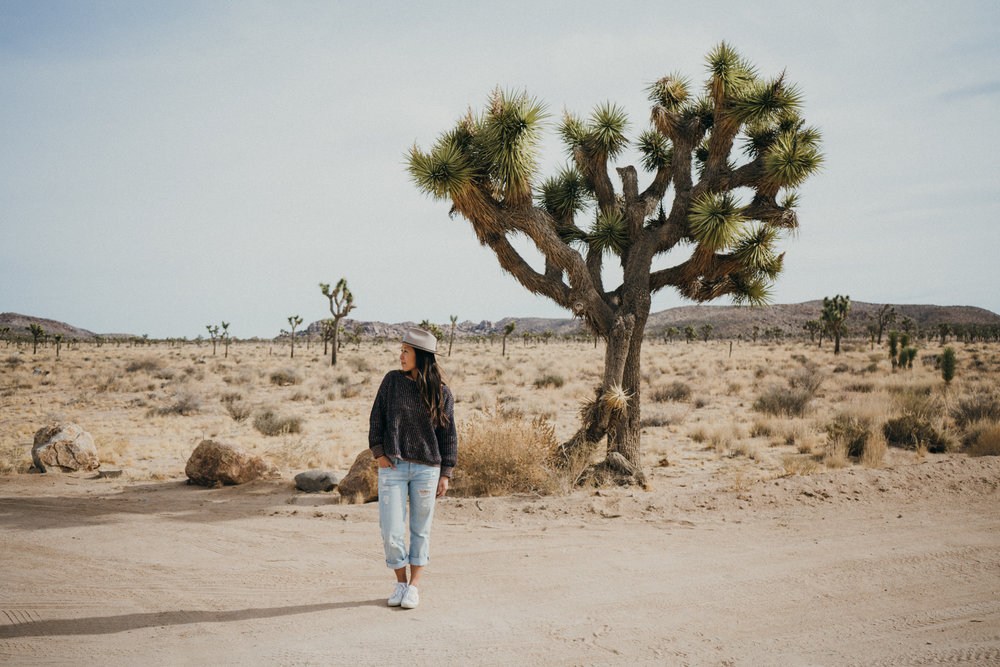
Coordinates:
(420, 339)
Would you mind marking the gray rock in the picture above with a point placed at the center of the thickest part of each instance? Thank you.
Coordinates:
(314, 481)
(64, 447)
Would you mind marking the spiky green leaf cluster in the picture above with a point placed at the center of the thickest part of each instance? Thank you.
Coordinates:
(497, 148)
(607, 129)
(670, 92)
(657, 153)
(608, 233)
(604, 131)
(565, 194)
(715, 220)
(764, 102)
(750, 291)
(440, 172)
(511, 131)
(792, 158)
(729, 73)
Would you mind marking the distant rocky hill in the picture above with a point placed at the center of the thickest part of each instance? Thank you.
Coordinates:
(19, 326)
(729, 321)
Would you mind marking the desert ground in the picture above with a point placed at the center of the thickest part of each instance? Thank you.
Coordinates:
(780, 525)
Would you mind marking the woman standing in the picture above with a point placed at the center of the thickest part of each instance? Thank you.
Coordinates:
(413, 438)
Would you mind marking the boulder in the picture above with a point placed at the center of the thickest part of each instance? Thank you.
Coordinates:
(361, 480)
(314, 481)
(64, 447)
(214, 462)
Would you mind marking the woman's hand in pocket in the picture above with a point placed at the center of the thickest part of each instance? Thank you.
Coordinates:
(384, 462)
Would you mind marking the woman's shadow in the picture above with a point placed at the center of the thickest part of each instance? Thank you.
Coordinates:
(103, 625)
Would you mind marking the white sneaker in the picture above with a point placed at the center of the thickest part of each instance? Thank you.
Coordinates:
(397, 594)
(411, 598)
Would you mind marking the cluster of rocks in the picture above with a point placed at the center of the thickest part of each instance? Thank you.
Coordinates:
(66, 447)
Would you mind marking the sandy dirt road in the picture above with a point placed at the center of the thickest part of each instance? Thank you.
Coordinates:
(898, 566)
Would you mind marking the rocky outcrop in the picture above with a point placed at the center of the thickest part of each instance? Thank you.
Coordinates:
(361, 481)
(214, 462)
(64, 448)
(314, 481)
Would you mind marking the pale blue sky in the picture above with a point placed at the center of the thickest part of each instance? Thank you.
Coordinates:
(166, 165)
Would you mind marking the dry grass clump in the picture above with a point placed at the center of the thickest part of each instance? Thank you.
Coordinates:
(782, 400)
(852, 431)
(911, 431)
(15, 458)
(797, 464)
(284, 377)
(504, 452)
(271, 422)
(184, 403)
(237, 408)
(793, 398)
(147, 364)
(675, 391)
(978, 407)
(550, 380)
(986, 443)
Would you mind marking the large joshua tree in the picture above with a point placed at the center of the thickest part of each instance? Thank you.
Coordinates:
(722, 157)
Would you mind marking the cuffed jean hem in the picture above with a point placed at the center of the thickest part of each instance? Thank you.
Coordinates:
(396, 566)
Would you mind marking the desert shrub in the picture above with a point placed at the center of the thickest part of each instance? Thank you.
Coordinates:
(14, 457)
(799, 465)
(781, 400)
(978, 407)
(675, 391)
(360, 364)
(860, 387)
(806, 378)
(550, 380)
(13, 362)
(270, 422)
(851, 431)
(285, 377)
(761, 428)
(504, 452)
(148, 365)
(874, 454)
(841, 368)
(987, 443)
(911, 431)
(654, 420)
(184, 403)
(350, 390)
(237, 408)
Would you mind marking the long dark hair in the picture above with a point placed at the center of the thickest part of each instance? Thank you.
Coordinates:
(429, 383)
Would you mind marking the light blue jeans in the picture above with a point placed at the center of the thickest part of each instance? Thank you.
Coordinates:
(418, 484)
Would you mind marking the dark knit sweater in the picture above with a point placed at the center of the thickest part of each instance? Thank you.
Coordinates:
(400, 425)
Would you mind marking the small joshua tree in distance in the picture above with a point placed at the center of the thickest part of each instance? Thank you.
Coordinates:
(834, 317)
(37, 332)
(225, 337)
(948, 365)
(213, 331)
(508, 329)
(294, 321)
(451, 338)
(690, 333)
(58, 339)
(706, 331)
(341, 303)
